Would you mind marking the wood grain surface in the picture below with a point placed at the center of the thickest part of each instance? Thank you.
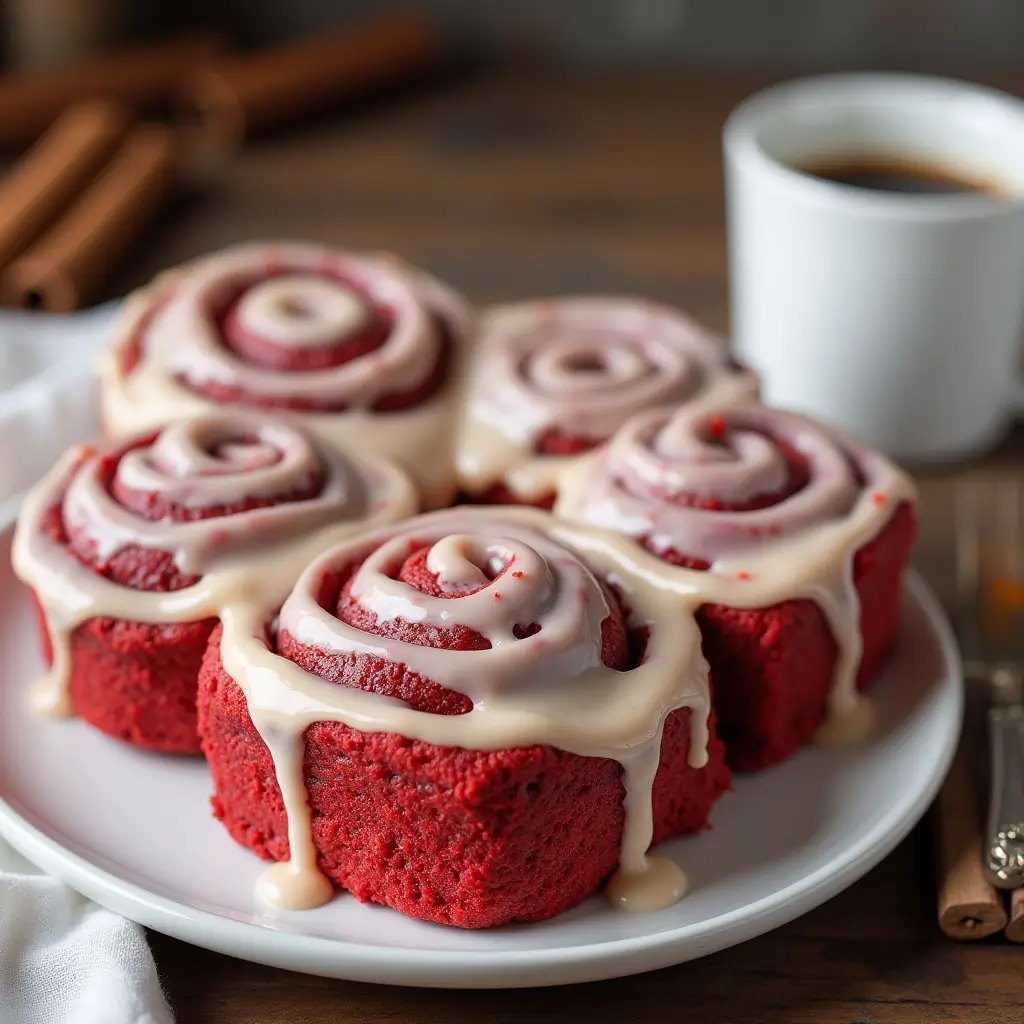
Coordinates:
(525, 184)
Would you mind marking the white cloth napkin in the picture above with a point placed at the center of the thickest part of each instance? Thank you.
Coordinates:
(63, 959)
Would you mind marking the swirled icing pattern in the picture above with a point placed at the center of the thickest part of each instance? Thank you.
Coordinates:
(365, 349)
(232, 498)
(774, 506)
(550, 686)
(692, 495)
(577, 369)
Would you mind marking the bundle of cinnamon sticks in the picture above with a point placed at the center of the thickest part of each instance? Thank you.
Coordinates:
(95, 176)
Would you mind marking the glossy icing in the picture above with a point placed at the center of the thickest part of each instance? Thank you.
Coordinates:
(581, 367)
(801, 544)
(548, 688)
(205, 462)
(173, 342)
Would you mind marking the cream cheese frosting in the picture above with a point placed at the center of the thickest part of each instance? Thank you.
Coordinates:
(547, 688)
(205, 462)
(579, 367)
(172, 354)
(801, 544)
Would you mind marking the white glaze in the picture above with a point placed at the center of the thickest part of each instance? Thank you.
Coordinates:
(174, 320)
(549, 688)
(575, 703)
(801, 547)
(660, 884)
(249, 555)
(584, 366)
(302, 311)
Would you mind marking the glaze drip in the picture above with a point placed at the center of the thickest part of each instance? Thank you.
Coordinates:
(767, 506)
(365, 350)
(581, 368)
(773, 504)
(237, 499)
(547, 687)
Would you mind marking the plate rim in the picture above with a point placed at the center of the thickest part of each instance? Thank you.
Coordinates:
(479, 969)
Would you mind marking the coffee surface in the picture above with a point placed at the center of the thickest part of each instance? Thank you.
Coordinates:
(905, 177)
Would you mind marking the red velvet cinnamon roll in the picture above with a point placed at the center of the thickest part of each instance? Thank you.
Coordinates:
(363, 350)
(131, 547)
(557, 377)
(793, 538)
(457, 718)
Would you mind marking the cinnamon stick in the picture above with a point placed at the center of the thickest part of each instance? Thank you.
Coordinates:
(144, 77)
(970, 907)
(44, 182)
(60, 270)
(236, 97)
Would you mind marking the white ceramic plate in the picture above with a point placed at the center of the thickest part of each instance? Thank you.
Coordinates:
(134, 832)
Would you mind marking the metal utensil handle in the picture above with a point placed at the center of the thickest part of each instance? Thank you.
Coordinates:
(1004, 847)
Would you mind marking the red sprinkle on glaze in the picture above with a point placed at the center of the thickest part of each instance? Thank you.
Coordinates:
(716, 426)
(497, 595)
(518, 574)
(744, 576)
(879, 498)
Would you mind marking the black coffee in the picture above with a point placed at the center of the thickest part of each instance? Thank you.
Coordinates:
(880, 175)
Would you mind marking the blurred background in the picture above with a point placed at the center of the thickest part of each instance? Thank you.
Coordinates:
(697, 33)
(685, 33)
(577, 149)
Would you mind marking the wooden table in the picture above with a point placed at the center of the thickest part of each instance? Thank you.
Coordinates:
(525, 184)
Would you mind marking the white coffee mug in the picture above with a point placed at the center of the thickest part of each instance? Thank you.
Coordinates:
(895, 316)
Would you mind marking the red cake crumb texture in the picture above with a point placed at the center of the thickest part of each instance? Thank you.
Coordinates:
(137, 681)
(450, 834)
(462, 837)
(773, 667)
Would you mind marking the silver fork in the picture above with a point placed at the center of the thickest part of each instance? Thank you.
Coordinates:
(989, 540)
